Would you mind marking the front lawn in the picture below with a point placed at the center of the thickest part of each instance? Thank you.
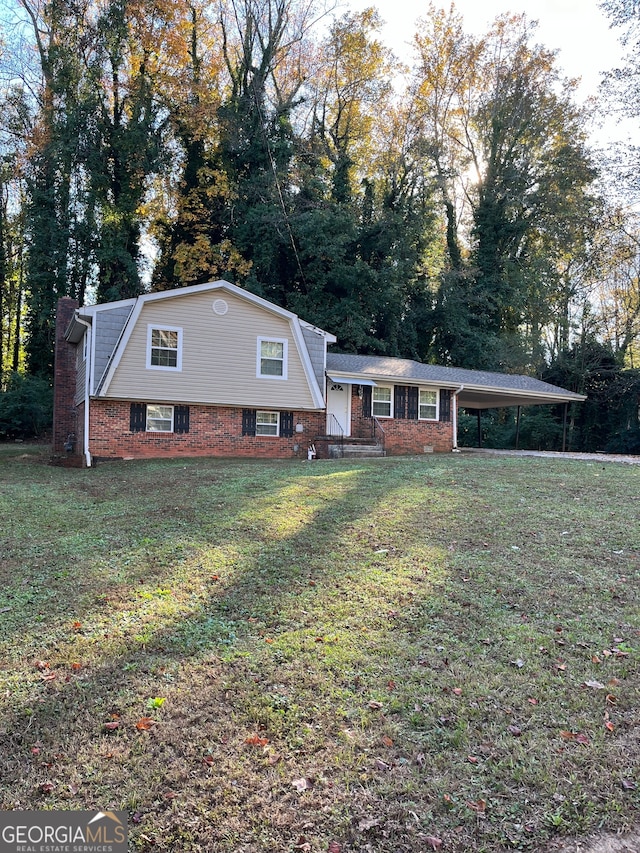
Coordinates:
(390, 655)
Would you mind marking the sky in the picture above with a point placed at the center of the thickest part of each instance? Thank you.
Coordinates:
(577, 29)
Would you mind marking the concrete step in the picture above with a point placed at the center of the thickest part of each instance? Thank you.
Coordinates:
(354, 451)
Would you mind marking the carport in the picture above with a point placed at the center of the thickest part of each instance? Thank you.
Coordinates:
(486, 390)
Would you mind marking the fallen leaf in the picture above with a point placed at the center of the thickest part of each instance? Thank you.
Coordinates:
(73, 789)
(595, 685)
(628, 785)
(48, 676)
(300, 785)
(457, 691)
(144, 724)
(375, 706)
(268, 640)
(516, 731)
(334, 847)
(609, 726)
(76, 626)
(208, 760)
(386, 740)
(391, 685)
(518, 662)
(472, 759)
(610, 699)
(256, 740)
(111, 727)
(478, 806)
(47, 787)
(41, 665)
(170, 795)
(76, 666)
(381, 765)
(532, 701)
(583, 739)
(436, 843)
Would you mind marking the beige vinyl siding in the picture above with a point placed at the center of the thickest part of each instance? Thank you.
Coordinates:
(218, 356)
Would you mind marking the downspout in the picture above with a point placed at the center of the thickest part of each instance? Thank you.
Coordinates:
(87, 379)
(455, 449)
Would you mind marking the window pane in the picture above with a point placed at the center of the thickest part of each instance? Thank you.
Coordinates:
(164, 348)
(164, 338)
(159, 418)
(428, 405)
(270, 367)
(271, 349)
(271, 358)
(381, 402)
(164, 358)
(266, 423)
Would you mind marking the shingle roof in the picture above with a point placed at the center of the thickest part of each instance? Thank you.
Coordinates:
(481, 389)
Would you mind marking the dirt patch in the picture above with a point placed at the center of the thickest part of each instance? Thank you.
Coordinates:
(598, 844)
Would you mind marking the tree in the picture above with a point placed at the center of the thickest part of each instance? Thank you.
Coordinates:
(506, 133)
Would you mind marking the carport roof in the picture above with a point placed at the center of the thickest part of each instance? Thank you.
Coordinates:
(480, 389)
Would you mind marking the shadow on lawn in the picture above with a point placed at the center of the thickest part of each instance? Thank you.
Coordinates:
(214, 658)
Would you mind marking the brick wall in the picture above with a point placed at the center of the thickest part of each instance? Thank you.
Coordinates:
(213, 431)
(404, 436)
(64, 383)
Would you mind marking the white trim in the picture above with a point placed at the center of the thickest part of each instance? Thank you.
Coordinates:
(158, 406)
(263, 339)
(350, 380)
(268, 434)
(430, 391)
(155, 327)
(390, 388)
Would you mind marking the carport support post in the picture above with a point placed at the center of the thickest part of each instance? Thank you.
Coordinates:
(479, 429)
(518, 426)
(564, 427)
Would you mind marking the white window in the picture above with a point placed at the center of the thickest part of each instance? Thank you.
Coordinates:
(428, 404)
(159, 418)
(381, 402)
(267, 423)
(164, 348)
(272, 358)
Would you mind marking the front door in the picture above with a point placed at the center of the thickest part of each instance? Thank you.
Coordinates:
(338, 408)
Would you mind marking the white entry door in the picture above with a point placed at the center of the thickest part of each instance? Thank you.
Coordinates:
(338, 407)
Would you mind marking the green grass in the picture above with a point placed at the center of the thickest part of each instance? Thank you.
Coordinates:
(371, 653)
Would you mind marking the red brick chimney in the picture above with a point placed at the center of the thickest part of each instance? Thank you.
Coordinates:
(64, 383)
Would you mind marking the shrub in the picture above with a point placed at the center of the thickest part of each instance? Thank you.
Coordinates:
(26, 406)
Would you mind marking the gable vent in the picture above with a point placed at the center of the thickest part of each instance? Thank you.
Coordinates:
(220, 307)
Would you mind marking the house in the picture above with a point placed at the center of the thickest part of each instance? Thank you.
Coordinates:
(214, 370)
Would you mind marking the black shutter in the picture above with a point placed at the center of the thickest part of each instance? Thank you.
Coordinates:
(400, 401)
(445, 405)
(138, 417)
(181, 419)
(286, 424)
(366, 401)
(412, 403)
(248, 421)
